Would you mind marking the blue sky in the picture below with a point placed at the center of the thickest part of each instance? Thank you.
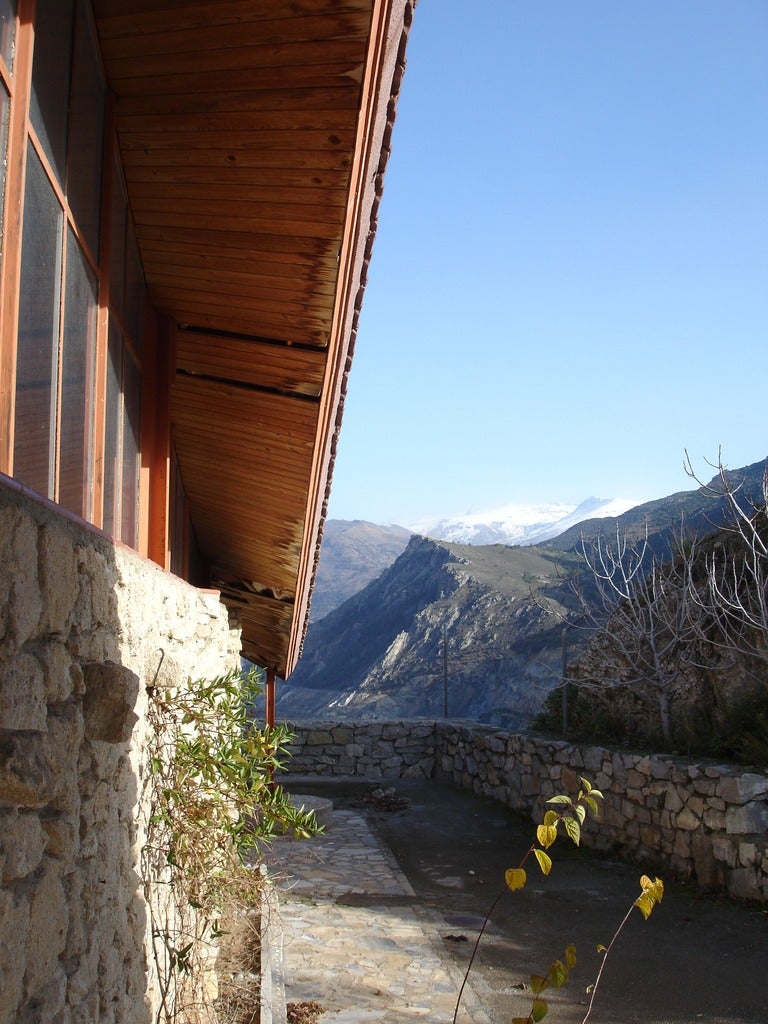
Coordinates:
(570, 277)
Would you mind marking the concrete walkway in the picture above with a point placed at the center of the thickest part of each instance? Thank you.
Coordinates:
(355, 938)
(374, 939)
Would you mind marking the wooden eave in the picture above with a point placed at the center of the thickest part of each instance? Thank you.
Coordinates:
(254, 138)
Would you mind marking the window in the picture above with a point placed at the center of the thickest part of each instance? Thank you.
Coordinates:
(55, 447)
(73, 300)
(127, 292)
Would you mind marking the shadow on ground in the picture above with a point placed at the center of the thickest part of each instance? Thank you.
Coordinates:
(698, 960)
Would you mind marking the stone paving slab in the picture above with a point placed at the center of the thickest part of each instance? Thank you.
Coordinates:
(377, 962)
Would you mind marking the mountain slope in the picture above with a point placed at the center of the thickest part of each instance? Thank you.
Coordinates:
(517, 524)
(496, 609)
(352, 554)
(696, 512)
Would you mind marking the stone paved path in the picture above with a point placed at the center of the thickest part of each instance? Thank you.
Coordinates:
(354, 937)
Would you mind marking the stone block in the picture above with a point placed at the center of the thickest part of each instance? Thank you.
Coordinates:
(22, 694)
(108, 704)
(751, 819)
(673, 802)
(26, 777)
(23, 842)
(741, 789)
(61, 676)
(744, 884)
(687, 820)
(58, 579)
(48, 921)
(25, 602)
(14, 927)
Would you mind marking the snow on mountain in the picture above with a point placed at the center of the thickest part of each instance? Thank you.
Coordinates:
(518, 524)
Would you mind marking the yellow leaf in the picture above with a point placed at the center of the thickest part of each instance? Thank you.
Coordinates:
(538, 984)
(515, 878)
(654, 888)
(573, 829)
(645, 904)
(559, 799)
(558, 973)
(592, 805)
(539, 1009)
(570, 957)
(546, 835)
(551, 818)
(580, 813)
(601, 948)
(545, 861)
(585, 783)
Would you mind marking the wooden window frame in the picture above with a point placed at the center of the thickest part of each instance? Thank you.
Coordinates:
(155, 377)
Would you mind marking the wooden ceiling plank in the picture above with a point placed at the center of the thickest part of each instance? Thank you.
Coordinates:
(340, 95)
(310, 140)
(228, 156)
(207, 60)
(154, 36)
(331, 75)
(322, 181)
(237, 324)
(237, 122)
(313, 200)
(219, 206)
(233, 242)
(257, 276)
(226, 282)
(255, 319)
(186, 294)
(114, 21)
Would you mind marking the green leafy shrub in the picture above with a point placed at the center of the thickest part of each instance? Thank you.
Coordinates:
(213, 803)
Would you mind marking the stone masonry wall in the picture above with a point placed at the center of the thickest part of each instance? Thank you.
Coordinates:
(702, 821)
(86, 628)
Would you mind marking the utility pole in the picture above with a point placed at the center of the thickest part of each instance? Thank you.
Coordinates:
(445, 672)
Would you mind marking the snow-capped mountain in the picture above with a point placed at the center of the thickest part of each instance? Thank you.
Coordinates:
(518, 524)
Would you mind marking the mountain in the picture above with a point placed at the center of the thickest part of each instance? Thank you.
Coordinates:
(485, 619)
(517, 524)
(496, 611)
(352, 554)
(355, 552)
(699, 511)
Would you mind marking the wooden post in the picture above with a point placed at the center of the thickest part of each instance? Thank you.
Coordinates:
(269, 695)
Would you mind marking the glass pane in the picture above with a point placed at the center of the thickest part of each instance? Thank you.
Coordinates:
(119, 210)
(7, 30)
(86, 136)
(4, 100)
(134, 290)
(130, 475)
(33, 455)
(49, 103)
(112, 445)
(77, 378)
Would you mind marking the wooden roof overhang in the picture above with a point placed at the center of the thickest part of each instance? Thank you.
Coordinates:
(254, 136)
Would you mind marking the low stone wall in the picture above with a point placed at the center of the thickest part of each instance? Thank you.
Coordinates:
(87, 629)
(702, 821)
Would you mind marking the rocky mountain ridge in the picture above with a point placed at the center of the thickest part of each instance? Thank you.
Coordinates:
(480, 624)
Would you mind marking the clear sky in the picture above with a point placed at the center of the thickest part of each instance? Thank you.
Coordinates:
(569, 283)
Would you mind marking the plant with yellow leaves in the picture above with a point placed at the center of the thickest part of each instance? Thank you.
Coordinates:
(570, 814)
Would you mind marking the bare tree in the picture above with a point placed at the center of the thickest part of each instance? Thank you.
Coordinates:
(645, 614)
(736, 588)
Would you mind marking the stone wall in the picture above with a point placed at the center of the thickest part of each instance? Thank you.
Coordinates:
(702, 821)
(87, 629)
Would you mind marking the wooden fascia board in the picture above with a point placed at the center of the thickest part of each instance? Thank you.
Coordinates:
(383, 71)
